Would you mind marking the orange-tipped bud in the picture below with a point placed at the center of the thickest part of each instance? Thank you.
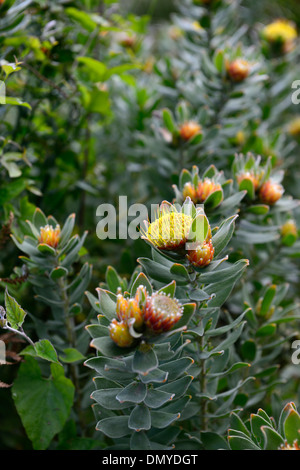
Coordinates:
(49, 235)
(119, 333)
(189, 129)
(122, 307)
(238, 70)
(202, 255)
(135, 312)
(130, 308)
(270, 192)
(249, 176)
(289, 228)
(205, 188)
(162, 312)
(189, 191)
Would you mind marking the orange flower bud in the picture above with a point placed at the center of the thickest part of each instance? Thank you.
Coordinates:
(129, 308)
(202, 255)
(189, 129)
(238, 70)
(270, 192)
(119, 333)
(49, 235)
(205, 188)
(249, 176)
(122, 307)
(189, 191)
(289, 228)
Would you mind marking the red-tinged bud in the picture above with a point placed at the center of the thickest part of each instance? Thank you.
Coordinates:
(238, 70)
(189, 129)
(270, 192)
(49, 235)
(162, 312)
(119, 333)
(202, 255)
(127, 40)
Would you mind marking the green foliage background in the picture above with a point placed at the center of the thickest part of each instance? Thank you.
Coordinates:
(83, 124)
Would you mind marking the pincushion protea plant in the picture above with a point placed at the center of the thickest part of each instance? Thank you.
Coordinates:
(148, 381)
(143, 315)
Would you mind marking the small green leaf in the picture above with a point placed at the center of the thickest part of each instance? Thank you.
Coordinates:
(46, 249)
(71, 355)
(112, 279)
(58, 272)
(249, 350)
(115, 427)
(169, 121)
(140, 419)
(266, 330)
(14, 313)
(134, 393)
(144, 360)
(272, 439)
(292, 427)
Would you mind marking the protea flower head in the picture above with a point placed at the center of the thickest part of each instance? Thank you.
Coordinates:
(120, 334)
(238, 70)
(169, 231)
(49, 235)
(189, 129)
(270, 192)
(162, 312)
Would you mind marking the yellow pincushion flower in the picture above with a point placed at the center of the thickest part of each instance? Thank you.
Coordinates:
(280, 31)
(49, 235)
(170, 229)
